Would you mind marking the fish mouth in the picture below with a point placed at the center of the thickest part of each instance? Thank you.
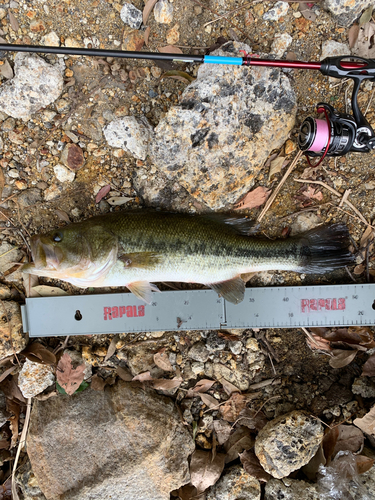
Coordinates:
(45, 255)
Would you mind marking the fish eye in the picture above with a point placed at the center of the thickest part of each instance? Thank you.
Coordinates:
(57, 237)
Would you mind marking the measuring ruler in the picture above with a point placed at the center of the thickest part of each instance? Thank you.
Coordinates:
(273, 307)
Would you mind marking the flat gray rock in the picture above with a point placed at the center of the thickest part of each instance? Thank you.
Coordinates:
(216, 141)
(125, 443)
(36, 84)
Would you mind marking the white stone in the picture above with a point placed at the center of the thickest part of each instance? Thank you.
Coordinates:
(280, 44)
(36, 84)
(52, 192)
(330, 48)
(51, 39)
(278, 10)
(131, 16)
(34, 378)
(163, 12)
(63, 174)
(130, 134)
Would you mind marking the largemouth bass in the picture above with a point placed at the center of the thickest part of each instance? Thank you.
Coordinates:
(136, 248)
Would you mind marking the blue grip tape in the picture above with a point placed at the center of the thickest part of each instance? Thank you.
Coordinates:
(237, 61)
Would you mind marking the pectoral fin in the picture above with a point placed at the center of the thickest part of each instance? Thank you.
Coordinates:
(141, 259)
(143, 290)
(232, 290)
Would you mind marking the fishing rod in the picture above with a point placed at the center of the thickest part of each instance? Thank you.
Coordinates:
(335, 135)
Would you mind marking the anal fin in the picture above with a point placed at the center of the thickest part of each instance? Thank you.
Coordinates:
(143, 290)
(232, 290)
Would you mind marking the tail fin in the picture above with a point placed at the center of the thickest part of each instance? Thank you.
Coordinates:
(324, 249)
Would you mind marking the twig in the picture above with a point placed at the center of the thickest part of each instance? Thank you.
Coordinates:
(323, 184)
(232, 12)
(367, 260)
(345, 197)
(281, 183)
(369, 102)
(5, 253)
(269, 399)
(217, 14)
(350, 215)
(20, 445)
(350, 274)
(309, 336)
(273, 366)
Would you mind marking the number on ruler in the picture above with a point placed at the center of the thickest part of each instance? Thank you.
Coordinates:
(286, 299)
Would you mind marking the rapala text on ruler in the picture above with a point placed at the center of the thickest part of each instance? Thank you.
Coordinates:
(119, 312)
(309, 305)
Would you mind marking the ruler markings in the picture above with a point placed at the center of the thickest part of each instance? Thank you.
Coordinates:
(279, 307)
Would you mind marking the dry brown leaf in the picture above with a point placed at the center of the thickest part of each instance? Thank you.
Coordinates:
(166, 384)
(329, 443)
(252, 466)
(7, 372)
(147, 34)
(276, 166)
(341, 358)
(363, 463)
(228, 387)
(318, 343)
(187, 492)
(367, 423)
(62, 215)
(37, 353)
(203, 385)
(161, 360)
(11, 390)
(311, 469)
(69, 378)
(311, 193)
(204, 472)
(366, 16)
(6, 70)
(124, 374)
(97, 383)
(13, 21)
(14, 408)
(209, 401)
(111, 348)
(29, 283)
(252, 419)
(358, 270)
(102, 192)
(350, 438)
(170, 49)
(366, 237)
(222, 430)
(143, 377)
(253, 199)
(353, 35)
(147, 10)
(230, 411)
(49, 291)
(182, 76)
(240, 440)
(368, 369)
(364, 46)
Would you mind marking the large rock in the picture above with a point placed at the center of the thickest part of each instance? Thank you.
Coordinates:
(122, 443)
(346, 11)
(36, 85)
(229, 119)
(293, 490)
(288, 442)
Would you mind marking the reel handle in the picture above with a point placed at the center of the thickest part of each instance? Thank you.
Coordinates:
(332, 66)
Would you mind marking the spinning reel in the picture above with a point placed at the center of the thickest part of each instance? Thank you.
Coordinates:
(338, 133)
